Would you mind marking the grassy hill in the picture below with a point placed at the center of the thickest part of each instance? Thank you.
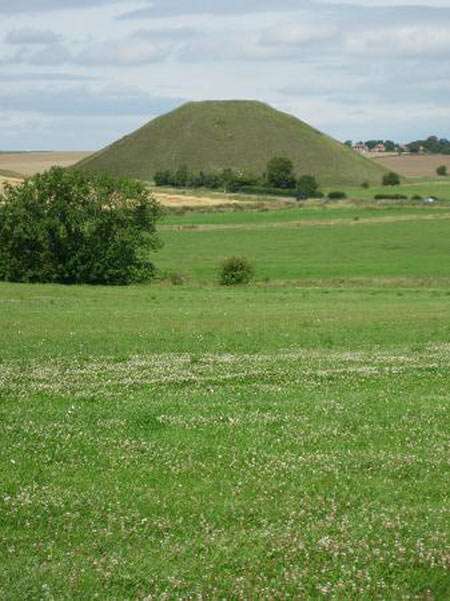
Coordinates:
(238, 134)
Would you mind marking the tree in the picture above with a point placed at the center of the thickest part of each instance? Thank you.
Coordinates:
(390, 146)
(280, 173)
(163, 178)
(307, 186)
(442, 170)
(67, 227)
(391, 179)
(182, 177)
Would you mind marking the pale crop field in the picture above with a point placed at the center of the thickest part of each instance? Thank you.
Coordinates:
(412, 165)
(30, 163)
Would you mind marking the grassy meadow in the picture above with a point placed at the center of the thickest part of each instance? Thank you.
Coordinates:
(284, 440)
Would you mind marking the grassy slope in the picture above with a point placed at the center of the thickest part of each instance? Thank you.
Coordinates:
(257, 443)
(237, 134)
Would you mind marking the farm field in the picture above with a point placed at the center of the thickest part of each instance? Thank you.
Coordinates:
(412, 165)
(285, 440)
(30, 163)
(439, 187)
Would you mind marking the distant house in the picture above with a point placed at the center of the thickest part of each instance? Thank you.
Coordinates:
(379, 148)
(361, 147)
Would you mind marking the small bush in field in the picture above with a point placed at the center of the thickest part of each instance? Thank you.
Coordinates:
(235, 271)
(337, 195)
(66, 227)
(177, 279)
(442, 170)
(391, 179)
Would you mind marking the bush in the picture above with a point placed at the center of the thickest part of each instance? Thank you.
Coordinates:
(265, 191)
(307, 187)
(337, 195)
(416, 197)
(66, 227)
(365, 185)
(236, 270)
(280, 173)
(391, 179)
(390, 197)
(442, 170)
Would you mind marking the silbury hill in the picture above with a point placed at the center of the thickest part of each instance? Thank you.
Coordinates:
(242, 135)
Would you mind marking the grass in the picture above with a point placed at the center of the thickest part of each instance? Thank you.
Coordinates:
(286, 440)
(439, 187)
(351, 243)
(243, 135)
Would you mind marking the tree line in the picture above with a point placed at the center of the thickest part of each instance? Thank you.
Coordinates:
(279, 177)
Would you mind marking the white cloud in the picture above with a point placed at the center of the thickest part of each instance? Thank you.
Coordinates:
(298, 34)
(31, 36)
(407, 41)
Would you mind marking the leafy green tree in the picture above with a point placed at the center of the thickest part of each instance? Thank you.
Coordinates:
(307, 186)
(280, 173)
(182, 177)
(66, 227)
(163, 178)
(391, 179)
(442, 170)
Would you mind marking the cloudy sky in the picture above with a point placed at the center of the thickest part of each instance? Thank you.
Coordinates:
(77, 74)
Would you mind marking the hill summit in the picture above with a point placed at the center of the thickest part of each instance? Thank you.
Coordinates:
(243, 135)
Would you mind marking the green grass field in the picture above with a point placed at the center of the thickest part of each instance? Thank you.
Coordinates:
(285, 440)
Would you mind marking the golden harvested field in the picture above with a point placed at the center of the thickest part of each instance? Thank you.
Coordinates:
(414, 165)
(30, 163)
(8, 180)
(215, 200)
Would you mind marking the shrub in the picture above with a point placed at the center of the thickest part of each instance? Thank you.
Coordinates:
(265, 191)
(280, 173)
(365, 185)
(307, 187)
(390, 197)
(391, 179)
(416, 197)
(66, 227)
(236, 270)
(177, 279)
(442, 170)
(337, 195)
(163, 178)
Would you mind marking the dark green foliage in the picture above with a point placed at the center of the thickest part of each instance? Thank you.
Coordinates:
(66, 227)
(390, 197)
(442, 170)
(280, 173)
(432, 145)
(365, 185)
(391, 179)
(416, 197)
(266, 191)
(337, 195)
(227, 179)
(307, 187)
(235, 271)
